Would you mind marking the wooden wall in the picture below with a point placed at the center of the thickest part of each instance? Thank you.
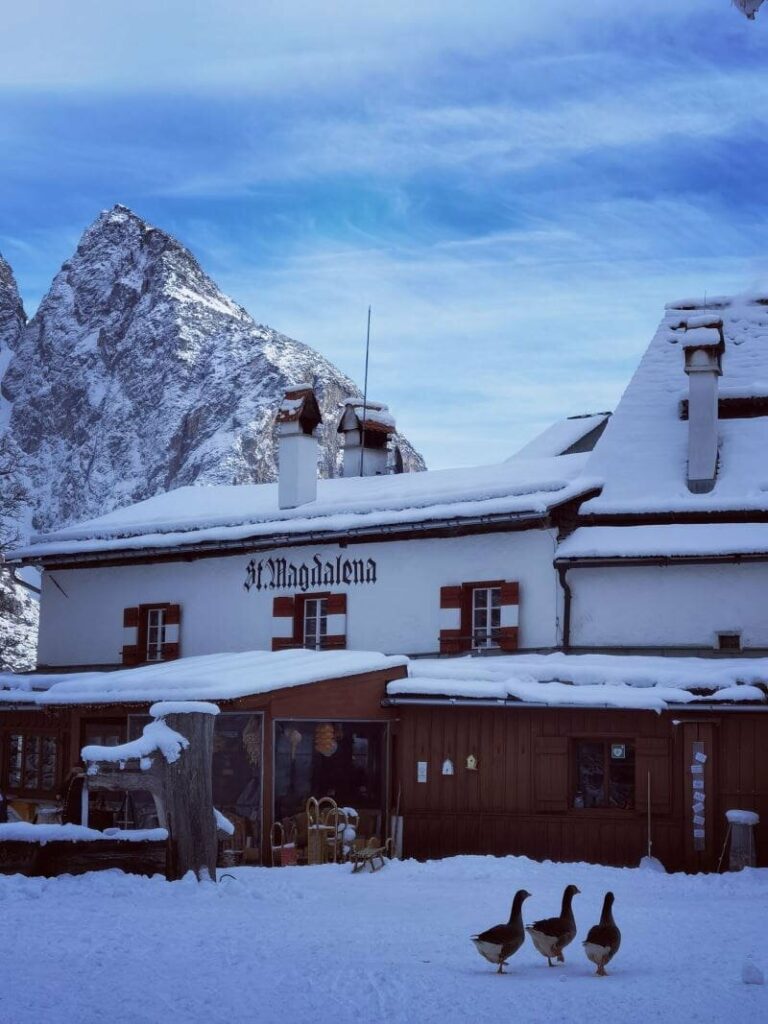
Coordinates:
(520, 800)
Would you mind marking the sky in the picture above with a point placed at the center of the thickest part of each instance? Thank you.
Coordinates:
(516, 189)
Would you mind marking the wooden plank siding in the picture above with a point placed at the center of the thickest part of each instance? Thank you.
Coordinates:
(520, 800)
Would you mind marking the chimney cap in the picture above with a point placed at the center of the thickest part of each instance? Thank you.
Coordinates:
(300, 406)
(378, 419)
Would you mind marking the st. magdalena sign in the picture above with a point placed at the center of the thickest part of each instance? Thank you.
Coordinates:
(280, 574)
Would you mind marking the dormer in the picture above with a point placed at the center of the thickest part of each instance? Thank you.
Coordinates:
(367, 428)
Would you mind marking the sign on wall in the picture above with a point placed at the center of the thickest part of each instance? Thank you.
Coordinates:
(316, 574)
(699, 795)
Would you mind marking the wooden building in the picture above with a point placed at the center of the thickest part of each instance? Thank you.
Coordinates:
(525, 795)
(467, 769)
(325, 734)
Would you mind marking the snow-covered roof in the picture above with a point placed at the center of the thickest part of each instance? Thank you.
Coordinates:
(560, 436)
(674, 540)
(225, 514)
(207, 677)
(643, 453)
(586, 680)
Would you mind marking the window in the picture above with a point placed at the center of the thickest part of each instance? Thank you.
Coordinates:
(151, 632)
(486, 616)
(315, 623)
(343, 760)
(605, 774)
(479, 615)
(155, 634)
(729, 641)
(33, 760)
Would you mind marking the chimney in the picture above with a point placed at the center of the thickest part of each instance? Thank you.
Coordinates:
(298, 450)
(703, 346)
(366, 437)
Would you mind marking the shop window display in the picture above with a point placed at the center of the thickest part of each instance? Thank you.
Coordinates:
(342, 760)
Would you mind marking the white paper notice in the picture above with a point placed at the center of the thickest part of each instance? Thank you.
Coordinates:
(697, 769)
(698, 784)
(698, 820)
(701, 758)
(421, 771)
(698, 833)
(698, 808)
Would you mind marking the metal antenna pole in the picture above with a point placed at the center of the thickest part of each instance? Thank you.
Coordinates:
(365, 393)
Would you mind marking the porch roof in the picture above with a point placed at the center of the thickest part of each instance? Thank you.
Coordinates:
(586, 680)
(206, 677)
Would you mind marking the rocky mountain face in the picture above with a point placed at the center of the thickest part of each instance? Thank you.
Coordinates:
(18, 609)
(137, 375)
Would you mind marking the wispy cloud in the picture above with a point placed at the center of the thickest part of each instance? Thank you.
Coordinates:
(516, 188)
(283, 45)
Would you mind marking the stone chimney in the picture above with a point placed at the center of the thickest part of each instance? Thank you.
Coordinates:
(298, 450)
(703, 346)
(366, 437)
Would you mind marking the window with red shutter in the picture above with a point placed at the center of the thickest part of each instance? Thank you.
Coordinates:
(315, 621)
(152, 633)
(479, 615)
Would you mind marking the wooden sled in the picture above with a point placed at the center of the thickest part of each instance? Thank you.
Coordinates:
(371, 852)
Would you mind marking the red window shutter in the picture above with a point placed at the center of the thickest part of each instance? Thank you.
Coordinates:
(335, 643)
(173, 615)
(456, 640)
(283, 607)
(508, 638)
(171, 652)
(652, 755)
(283, 643)
(451, 597)
(130, 618)
(550, 774)
(510, 593)
(130, 655)
(336, 604)
(452, 642)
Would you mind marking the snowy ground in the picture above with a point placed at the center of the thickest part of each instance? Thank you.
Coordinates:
(319, 944)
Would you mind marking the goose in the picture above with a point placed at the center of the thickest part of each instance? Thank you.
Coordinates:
(604, 939)
(553, 934)
(497, 944)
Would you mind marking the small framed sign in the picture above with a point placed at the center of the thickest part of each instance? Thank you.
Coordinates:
(421, 771)
(618, 751)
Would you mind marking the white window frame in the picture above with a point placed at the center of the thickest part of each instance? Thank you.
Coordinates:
(156, 633)
(315, 623)
(486, 636)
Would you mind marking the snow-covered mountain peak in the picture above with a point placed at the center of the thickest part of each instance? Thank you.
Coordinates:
(138, 375)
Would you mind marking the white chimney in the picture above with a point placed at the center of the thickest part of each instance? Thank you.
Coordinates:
(298, 450)
(703, 345)
(367, 430)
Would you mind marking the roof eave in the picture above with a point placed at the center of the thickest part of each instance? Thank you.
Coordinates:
(303, 538)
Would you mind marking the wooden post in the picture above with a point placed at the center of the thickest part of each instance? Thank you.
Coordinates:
(189, 796)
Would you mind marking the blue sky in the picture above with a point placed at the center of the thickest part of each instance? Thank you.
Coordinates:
(516, 192)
